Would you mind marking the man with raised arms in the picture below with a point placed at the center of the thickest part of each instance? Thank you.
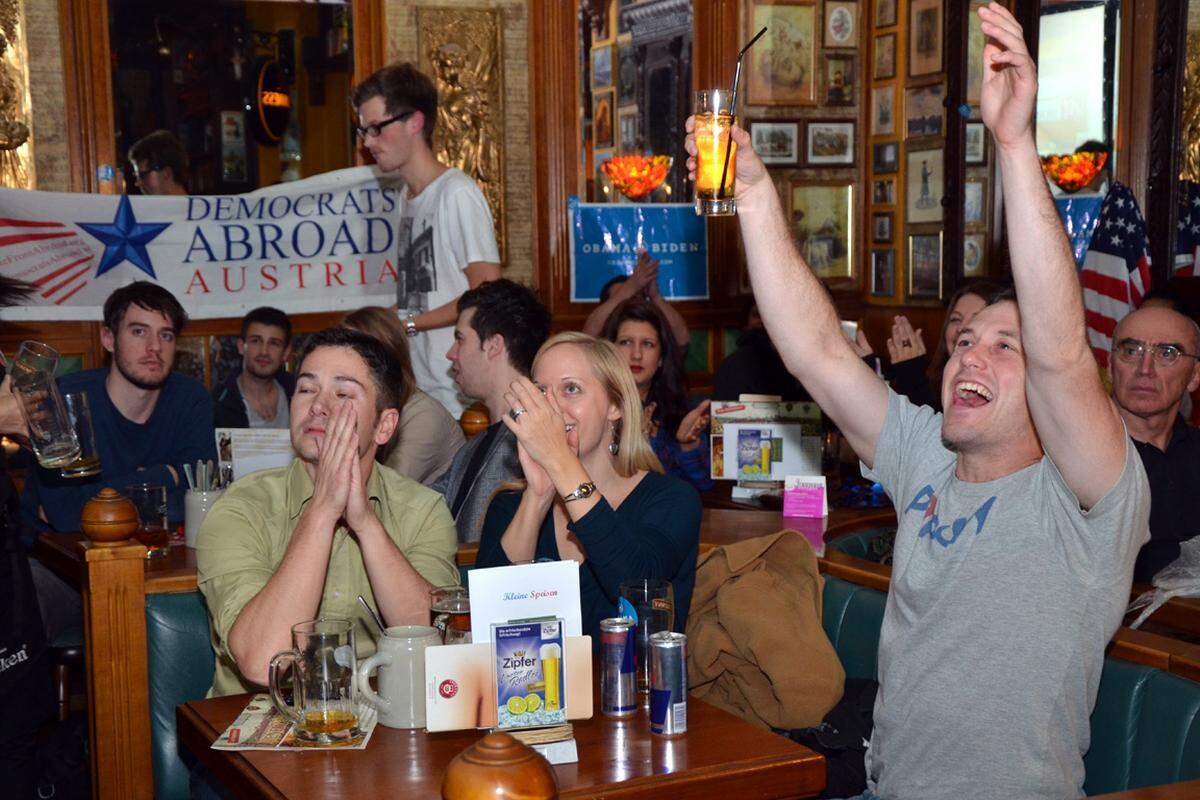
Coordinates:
(1020, 509)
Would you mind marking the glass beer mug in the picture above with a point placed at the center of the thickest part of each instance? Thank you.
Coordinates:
(324, 705)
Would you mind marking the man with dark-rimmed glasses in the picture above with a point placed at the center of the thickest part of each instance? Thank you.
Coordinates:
(447, 241)
(159, 164)
(1154, 366)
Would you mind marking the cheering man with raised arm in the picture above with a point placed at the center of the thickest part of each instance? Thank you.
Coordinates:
(1020, 509)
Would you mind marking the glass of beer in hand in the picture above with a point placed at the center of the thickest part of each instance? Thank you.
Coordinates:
(450, 613)
(716, 154)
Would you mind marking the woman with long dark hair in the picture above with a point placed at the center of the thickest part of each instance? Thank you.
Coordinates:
(678, 435)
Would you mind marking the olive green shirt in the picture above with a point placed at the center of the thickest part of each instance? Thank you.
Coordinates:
(245, 535)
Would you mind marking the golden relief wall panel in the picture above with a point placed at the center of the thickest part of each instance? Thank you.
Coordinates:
(16, 148)
(415, 28)
(1189, 133)
(48, 112)
(461, 50)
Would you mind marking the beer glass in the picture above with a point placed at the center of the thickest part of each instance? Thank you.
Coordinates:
(324, 693)
(50, 431)
(714, 119)
(450, 613)
(80, 412)
(652, 600)
(152, 531)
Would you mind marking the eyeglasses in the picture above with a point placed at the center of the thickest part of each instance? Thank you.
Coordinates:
(1165, 355)
(377, 128)
(138, 174)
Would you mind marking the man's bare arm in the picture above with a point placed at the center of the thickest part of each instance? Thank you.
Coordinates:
(446, 314)
(797, 311)
(1077, 423)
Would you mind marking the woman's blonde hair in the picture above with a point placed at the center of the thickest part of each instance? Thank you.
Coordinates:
(385, 326)
(633, 449)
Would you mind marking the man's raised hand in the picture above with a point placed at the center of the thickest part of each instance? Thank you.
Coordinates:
(1009, 93)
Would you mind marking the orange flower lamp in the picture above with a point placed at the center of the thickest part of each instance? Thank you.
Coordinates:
(1074, 171)
(636, 176)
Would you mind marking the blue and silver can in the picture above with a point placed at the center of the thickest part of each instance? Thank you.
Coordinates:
(618, 691)
(668, 683)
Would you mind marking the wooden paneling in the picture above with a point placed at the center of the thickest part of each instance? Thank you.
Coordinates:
(114, 619)
(91, 138)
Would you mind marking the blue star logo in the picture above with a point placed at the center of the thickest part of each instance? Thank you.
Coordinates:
(125, 239)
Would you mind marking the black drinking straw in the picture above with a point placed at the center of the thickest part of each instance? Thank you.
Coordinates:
(737, 76)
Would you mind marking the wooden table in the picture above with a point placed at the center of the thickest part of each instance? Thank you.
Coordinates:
(115, 580)
(720, 755)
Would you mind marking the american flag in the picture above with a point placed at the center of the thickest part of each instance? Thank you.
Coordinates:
(1116, 270)
(1187, 239)
(55, 259)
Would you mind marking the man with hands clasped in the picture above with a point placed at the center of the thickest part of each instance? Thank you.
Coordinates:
(1020, 509)
(594, 490)
(287, 545)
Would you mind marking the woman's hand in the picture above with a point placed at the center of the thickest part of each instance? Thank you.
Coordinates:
(536, 478)
(905, 343)
(537, 423)
(861, 345)
(645, 274)
(692, 426)
(11, 421)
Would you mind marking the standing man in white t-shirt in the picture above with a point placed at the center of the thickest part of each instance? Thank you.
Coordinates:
(447, 242)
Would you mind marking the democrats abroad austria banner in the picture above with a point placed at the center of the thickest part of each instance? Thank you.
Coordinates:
(325, 243)
(605, 238)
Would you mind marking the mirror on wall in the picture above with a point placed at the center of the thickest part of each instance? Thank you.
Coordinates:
(635, 83)
(1078, 47)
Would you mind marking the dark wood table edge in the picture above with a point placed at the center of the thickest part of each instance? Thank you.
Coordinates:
(236, 774)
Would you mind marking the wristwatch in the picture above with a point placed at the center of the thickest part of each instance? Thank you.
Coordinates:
(582, 492)
(410, 325)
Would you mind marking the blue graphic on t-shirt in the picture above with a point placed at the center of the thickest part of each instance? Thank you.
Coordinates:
(927, 501)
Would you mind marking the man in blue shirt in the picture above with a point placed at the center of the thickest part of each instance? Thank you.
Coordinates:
(148, 420)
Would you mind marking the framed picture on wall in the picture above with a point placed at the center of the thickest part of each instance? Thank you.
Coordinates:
(881, 227)
(782, 67)
(975, 146)
(885, 157)
(974, 255)
(822, 217)
(841, 23)
(885, 57)
(602, 119)
(602, 67)
(974, 52)
(924, 112)
(883, 273)
(885, 13)
(830, 143)
(840, 79)
(883, 192)
(925, 38)
(925, 265)
(974, 201)
(883, 110)
(627, 73)
(627, 127)
(777, 142)
(924, 186)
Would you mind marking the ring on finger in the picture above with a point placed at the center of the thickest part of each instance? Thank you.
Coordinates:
(907, 342)
(515, 413)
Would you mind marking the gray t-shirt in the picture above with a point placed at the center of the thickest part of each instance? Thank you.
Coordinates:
(1003, 597)
(280, 420)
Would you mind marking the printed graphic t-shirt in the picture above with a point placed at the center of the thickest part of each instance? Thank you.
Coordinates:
(442, 230)
(1003, 597)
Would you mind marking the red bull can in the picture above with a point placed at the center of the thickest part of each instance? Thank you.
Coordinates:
(668, 683)
(618, 691)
